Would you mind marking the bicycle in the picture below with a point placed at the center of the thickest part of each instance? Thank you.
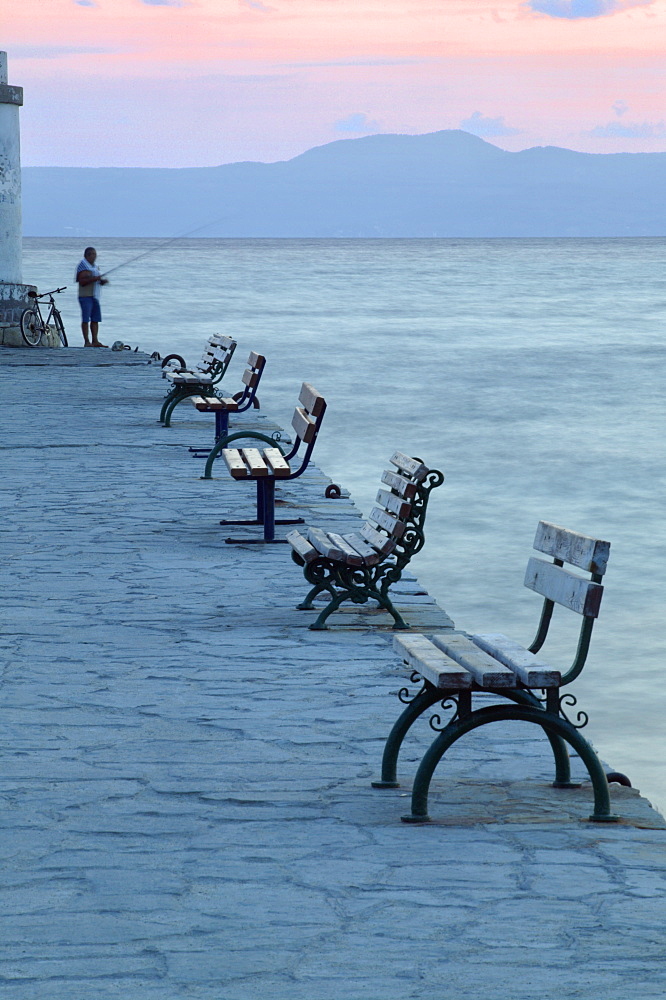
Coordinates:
(33, 325)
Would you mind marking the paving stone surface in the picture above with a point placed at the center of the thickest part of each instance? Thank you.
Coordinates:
(187, 809)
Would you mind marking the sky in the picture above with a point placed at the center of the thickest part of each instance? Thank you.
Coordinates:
(186, 83)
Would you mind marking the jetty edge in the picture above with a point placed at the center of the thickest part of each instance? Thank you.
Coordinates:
(187, 768)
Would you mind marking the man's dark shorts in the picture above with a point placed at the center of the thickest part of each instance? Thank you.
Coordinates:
(90, 310)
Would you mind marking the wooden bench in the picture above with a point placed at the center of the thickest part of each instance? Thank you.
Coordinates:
(241, 401)
(362, 566)
(454, 667)
(200, 379)
(176, 362)
(268, 465)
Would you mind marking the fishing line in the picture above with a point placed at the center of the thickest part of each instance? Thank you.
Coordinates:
(161, 246)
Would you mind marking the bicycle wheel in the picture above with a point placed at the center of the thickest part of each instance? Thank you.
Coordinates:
(59, 327)
(31, 327)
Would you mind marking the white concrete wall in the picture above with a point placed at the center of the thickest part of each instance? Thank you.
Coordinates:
(10, 186)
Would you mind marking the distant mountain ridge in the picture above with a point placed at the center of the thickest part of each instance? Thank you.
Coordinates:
(447, 184)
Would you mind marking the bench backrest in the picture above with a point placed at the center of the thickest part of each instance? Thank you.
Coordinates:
(306, 422)
(253, 370)
(560, 586)
(395, 524)
(250, 378)
(220, 354)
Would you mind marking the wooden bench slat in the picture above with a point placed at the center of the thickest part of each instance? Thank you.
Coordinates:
(563, 587)
(435, 666)
(209, 404)
(235, 463)
(304, 426)
(254, 461)
(275, 459)
(415, 470)
(395, 505)
(250, 378)
(369, 555)
(324, 544)
(533, 672)
(487, 672)
(351, 555)
(399, 484)
(302, 546)
(187, 378)
(590, 554)
(383, 544)
(312, 400)
(256, 360)
(388, 522)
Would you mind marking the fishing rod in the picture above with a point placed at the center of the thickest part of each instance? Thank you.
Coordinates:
(161, 246)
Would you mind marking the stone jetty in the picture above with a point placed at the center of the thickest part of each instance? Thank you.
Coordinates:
(186, 800)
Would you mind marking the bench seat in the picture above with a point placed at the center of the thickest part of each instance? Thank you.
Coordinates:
(189, 378)
(530, 670)
(491, 662)
(248, 463)
(211, 404)
(355, 549)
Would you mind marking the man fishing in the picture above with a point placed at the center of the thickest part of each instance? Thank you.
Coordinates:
(89, 279)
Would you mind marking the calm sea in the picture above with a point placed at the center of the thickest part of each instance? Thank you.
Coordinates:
(530, 371)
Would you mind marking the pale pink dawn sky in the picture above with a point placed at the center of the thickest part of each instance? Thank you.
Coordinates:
(202, 82)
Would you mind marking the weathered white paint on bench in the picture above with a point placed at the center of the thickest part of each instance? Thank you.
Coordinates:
(312, 400)
(210, 404)
(275, 459)
(350, 552)
(325, 544)
(382, 543)
(563, 587)
(388, 522)
(533, 672)
(485, 670)
(396, 505)
(304, 426)
(414, 469)
(590, 554)
(437, 668)
(404, 487)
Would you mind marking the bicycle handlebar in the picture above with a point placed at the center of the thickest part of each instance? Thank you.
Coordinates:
(42, 295)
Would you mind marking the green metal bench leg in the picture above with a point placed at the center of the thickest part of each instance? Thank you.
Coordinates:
(306, 604)
(385, 602)
(320, 624)
(500, 713)
(167, 402)
(558, 745)
(426, 697)
(338, 597)
(171, 407)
